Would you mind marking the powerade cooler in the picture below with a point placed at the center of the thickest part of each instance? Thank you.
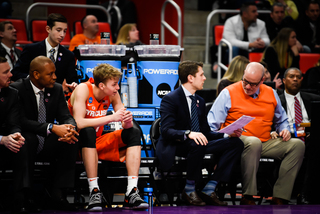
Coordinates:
(89, 56)
(158, 67)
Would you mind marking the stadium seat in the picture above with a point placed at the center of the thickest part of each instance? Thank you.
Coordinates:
(308, 60)
(103, 27)
(39, 32)
(255, 57)
(20, 26)
(218, 32)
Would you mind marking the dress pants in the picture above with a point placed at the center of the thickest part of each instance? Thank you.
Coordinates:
(228, 149)
(61, 155)
(291, 153)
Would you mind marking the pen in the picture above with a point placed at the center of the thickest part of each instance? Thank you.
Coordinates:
(243, 130)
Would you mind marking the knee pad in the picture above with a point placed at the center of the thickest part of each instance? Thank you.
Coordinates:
(131, 137)
(87, 137)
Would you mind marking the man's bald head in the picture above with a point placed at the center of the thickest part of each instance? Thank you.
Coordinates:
(38, 64)
(252, 77)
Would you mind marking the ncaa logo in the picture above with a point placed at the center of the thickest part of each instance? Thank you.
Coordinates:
(163, 89)
(90, 99)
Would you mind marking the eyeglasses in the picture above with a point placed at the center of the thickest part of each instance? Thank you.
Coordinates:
(245, 82)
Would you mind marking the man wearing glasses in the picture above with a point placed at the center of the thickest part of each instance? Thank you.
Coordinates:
(252, 98)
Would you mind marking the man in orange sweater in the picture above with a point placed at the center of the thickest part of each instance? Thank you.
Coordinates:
(252, 98)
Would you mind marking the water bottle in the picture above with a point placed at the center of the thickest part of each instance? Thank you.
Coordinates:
(124, 89)
(154, 39)
(133, 85)
(105, 38)
(148, 190)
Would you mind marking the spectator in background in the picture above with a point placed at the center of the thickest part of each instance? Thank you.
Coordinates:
(8, 38)
(277, 20)
(308, 27)
(282, 53)
(5, 9)
(121, 12)
(290, 8)
(90, 35)
(234, 72)
(50, 47)
(129, 36)
(311, 79)
(245, 32)
(276, 83)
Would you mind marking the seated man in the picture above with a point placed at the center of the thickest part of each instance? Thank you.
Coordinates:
(252, 98)
(8, 38)
(245, 32)
(308, 27)
(298, 107)
(185, 132)
(90, 28)
(62, 58)
(11, 140)
(43, 103)
(89, 104)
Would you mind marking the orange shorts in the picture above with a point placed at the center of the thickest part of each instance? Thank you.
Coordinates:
(108, 146)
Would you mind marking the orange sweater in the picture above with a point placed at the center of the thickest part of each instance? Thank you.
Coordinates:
(262, 108)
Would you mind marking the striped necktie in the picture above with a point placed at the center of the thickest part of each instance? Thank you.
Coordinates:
(194, 115)
(298, 114)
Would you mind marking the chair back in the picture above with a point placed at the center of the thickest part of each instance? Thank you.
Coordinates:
(155, 132)
(218, 33)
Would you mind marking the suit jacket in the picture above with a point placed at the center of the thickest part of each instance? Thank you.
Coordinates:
(56, 107)
(307, 99)
(65, 62)
(175, 120)
(3, 52)
(9, 111)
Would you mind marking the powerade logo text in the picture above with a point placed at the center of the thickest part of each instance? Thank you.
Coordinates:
(142, 114)
(89, 70)
(163, 89)
(160, 71)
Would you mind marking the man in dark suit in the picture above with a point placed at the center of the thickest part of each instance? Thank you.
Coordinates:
(62, 58)
(44, 107)
(292, 81)
(8, 38)
(11, 140)
(185, 132)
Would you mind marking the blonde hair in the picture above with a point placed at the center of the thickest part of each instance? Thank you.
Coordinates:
(281, 46)
(123, 36)
(104, 72)
(236, 69)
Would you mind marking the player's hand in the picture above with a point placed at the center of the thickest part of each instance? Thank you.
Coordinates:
(199, 138)
(127, 117)
(118, 115)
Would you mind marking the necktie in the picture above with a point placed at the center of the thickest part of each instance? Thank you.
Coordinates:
(297, 113)
(13, 58)
(41, 119)
(194, 115)
(52, 51)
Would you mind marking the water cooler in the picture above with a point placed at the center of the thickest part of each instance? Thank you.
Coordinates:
(89, 56)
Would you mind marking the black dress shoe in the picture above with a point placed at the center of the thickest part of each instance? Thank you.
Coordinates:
(302, 199)
(212, 199)
(193, 198)
(278, 201)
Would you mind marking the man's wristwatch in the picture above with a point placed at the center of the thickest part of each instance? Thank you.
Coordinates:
(50, 127)
(186, 134)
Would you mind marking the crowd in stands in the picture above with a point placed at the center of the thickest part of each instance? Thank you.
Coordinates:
(38, 124)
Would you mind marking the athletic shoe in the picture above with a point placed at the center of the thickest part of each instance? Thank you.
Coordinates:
(134, 201)
(95, 200)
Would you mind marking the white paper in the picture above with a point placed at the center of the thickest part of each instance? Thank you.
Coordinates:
(238, 124)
